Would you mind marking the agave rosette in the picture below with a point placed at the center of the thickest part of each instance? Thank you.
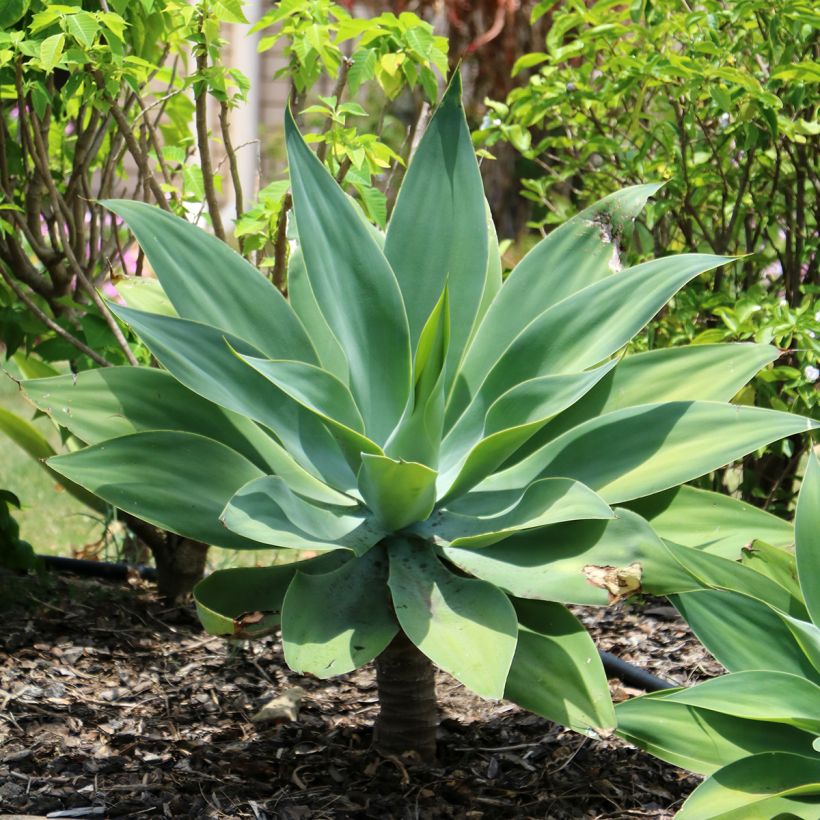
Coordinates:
(452, 446)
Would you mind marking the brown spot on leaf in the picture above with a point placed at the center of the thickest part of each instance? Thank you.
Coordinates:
(254, 624)
(619, 582)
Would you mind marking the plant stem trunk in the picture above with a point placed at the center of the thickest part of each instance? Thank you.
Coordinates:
(408, 715)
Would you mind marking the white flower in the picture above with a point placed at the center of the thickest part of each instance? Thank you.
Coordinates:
(811, 373)
(817, 316)
(723, 120)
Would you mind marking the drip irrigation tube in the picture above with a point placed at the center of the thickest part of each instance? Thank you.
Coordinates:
(614, 666)
(98, 569)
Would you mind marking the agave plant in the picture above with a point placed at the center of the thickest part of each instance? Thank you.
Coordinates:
(448, 448)
(756, 730)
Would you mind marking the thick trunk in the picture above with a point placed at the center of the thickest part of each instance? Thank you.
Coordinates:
(180, 566)
(408, 715)
(180, 561)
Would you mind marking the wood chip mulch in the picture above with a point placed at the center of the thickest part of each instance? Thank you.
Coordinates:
(113, 705)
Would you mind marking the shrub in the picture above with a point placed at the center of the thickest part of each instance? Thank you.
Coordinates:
(450, 446)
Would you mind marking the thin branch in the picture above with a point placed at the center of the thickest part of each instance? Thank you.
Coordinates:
(280, 246)
(87, 285)
(133, 147)
(48, 321)
(225, 127)
(201, 119)
(338, 90)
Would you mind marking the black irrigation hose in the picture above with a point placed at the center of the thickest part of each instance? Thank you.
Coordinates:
(97, 569)
(633, 675)
(614, 667)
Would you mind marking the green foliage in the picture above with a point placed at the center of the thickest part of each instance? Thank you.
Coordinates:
(720, 100)
(756, 730)
(381, 425)
(15, 553)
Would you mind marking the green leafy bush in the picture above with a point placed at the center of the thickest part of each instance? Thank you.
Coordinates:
(452, 447)
(755, 731)
(721, 101)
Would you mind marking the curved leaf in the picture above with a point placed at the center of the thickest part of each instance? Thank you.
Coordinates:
(303, 300)
(268, 511)
(807, 536)
(579, 253)
(438, 230)
(641, 450)
(335, 622)
(714, 522)
(323, 394)
(207, 281)
(457, 622)
(397, 492)
(592, 324)
(718, 617)
(246, 602)
(699, 739)
(484, 438)
(200, 357)
(554, 563)
(556, 671)
(177, 481)
(760, 787)
(694, 372)
(478, 521)
(366, 315)
(769, 696)
(96, 405)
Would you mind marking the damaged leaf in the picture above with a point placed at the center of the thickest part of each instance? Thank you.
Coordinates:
(619, 582)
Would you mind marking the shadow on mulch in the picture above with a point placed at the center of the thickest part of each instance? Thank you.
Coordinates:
(113, 703)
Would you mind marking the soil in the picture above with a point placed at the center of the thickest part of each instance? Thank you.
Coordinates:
(114, 705)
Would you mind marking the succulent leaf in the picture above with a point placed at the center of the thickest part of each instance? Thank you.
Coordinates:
(207, 281)
(438, 230)
(556, 671)
(353, 625)
(482, 519)
(575, 255)
(366, 314)
(642, 450)
(197, 476)
(711, 521)
(399, 493)
(245, 602)
(807, 527)
(204, 359)
(459, 623)
(269, 512)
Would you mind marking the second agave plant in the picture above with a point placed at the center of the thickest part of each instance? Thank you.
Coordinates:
(458, 454)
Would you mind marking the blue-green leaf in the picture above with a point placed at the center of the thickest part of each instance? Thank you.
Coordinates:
(457, 622)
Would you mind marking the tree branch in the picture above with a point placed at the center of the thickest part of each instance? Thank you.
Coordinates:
(201, 119)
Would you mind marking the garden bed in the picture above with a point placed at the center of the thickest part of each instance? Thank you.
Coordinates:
(108, 699)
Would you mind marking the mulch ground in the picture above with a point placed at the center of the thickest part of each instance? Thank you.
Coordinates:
(113, 705)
